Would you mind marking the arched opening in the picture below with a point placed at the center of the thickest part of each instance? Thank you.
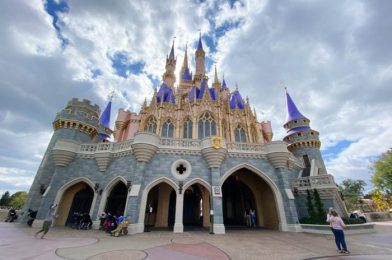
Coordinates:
(243, 191)
(117, 199)
(76, 199)
(196, 209)
(160, 207)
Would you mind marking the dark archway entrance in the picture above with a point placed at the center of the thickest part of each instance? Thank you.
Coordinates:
(192, 213)
(81, 203)
(237, 199)
(244, 190)
(117, 199)
(160, 207)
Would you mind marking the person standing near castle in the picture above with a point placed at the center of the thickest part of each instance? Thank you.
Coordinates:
(252, 214)
(337, 226)
(50, 216)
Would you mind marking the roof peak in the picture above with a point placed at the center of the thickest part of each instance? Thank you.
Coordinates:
(292, 110)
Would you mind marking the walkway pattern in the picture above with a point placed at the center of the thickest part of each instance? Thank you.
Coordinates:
(18, 242)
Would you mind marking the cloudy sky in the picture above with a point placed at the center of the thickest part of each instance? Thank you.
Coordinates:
(334, 56)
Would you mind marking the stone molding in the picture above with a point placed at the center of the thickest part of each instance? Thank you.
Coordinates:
(278, 154)
(64, 151)
(145, 145)
(103, 160)
(213, 156)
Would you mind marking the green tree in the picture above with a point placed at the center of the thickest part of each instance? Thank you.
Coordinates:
(382, 172)
(18, 199)
(5, 199)
(320, 212)
(352, 191)
(309, 205)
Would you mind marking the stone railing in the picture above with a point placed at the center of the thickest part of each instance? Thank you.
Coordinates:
(245, 147)
(180, 143)
(311, 182)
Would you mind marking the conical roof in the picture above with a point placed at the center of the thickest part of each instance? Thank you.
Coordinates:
(292, 110)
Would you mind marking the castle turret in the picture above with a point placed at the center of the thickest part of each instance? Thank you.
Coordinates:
(168, 77)
(185, 74)
(78, 122)
(216, 84)
(200, 61)
(303, 141)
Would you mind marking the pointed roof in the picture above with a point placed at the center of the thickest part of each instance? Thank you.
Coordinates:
(104, 119)
(200, 45)
(203, 87)
(165, 94)
(292, 110)
(185, 62)
(236, 100)
(224, 86)
(171, 55)
(192, 95)
(186, 75)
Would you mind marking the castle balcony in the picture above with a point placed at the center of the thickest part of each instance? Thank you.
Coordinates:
(314, 182)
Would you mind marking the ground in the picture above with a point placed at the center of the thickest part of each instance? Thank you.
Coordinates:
(17, 241)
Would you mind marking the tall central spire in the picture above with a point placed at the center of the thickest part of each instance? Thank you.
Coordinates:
(200, 61)
(171, 55)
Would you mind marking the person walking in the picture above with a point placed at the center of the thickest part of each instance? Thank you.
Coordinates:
(337, 226)
(252, 214)
(50, 216)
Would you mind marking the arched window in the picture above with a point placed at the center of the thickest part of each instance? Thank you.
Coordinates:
(188, 125)
(151, 125)
(239, 135)
(206, 125)
(168, 129)
(253, 132)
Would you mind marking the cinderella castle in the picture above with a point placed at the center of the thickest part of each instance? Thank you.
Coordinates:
(195, 156)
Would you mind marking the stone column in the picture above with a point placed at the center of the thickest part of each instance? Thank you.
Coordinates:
(178, 225)
(214, 152)
(144, 148)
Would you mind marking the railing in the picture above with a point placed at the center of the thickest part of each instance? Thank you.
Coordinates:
(88, 148)
(180, 143)
(245, 147)
(321, 181)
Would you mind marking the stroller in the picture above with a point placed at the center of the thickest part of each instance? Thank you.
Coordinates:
(85, 222)
(32, 215)
(122, 228)
(110, 223)
(12, 216)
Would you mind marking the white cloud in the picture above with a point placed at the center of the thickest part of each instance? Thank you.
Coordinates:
(330, 55)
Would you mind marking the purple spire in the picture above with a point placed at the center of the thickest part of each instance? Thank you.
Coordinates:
(186, 75)
(171, 55)
(292, 111)
(193, 93)
(104, 119)
(224, 86)
(200, 45)
(236, 100)
(165, 94)
(203, 87)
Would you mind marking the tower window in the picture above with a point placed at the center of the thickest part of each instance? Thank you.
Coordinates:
(168, 129)
(188, 125)
(206, 125)
(151, 125)
(239, 135)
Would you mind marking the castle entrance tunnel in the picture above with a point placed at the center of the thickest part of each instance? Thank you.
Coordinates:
(76, 199)
(244, 190)
(161, 206)
(196, 209)
(115, 204)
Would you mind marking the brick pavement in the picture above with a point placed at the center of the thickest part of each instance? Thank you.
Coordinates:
(17, 242)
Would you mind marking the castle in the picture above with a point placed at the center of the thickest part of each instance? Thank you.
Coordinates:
(195, 156)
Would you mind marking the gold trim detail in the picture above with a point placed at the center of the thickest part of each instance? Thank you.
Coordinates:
(216, 142)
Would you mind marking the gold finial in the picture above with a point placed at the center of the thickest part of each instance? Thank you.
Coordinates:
(111, 94)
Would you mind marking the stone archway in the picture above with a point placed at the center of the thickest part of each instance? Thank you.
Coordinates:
(117, 199)
(76, 196)
(254, 189)
(160, 206)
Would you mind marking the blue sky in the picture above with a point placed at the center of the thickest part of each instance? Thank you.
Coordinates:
(334, 56)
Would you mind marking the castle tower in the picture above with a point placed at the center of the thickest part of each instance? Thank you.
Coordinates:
(216, 84)
(78, 121)
(185, 74)
(200, 62)
(303, 141)
(168, 77)
(104, 131)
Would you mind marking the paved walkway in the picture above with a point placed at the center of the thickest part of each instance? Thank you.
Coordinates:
(18, 242)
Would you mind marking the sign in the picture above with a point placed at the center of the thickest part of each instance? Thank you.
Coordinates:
(216, 191)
